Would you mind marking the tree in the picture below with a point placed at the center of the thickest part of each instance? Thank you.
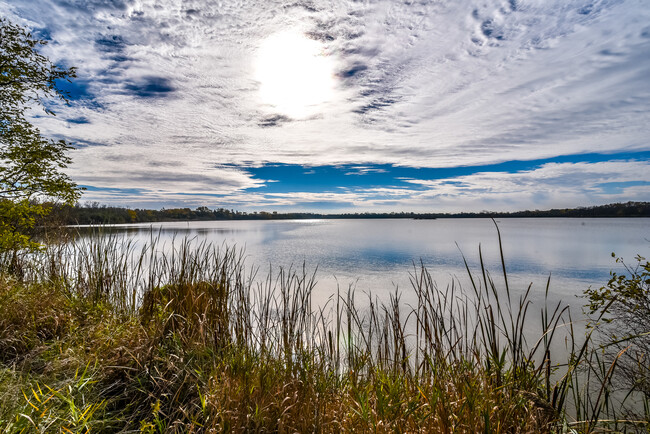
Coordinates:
(30, 164)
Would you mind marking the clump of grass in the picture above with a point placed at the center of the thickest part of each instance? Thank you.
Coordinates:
(30, 314)
(183, 338)
(68, 406)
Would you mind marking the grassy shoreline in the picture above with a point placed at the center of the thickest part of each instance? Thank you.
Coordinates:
(106, 336)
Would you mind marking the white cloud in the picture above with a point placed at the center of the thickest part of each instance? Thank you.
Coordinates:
(419, 84)
(551, 185)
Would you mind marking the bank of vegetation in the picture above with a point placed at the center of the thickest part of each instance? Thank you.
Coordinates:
(96, 214)
(100, 334)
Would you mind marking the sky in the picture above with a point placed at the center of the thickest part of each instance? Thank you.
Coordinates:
(351, 106)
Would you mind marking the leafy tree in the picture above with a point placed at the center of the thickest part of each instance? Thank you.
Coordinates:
(30, 164)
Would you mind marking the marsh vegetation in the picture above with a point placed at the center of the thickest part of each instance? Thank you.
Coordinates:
(104, 334)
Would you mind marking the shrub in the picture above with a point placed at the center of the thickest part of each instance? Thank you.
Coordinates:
(621, 310)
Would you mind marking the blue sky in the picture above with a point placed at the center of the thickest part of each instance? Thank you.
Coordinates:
(352, 106)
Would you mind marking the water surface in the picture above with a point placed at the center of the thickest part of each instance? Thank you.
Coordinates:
(377, 255)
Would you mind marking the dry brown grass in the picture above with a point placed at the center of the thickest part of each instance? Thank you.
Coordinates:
(185, 342)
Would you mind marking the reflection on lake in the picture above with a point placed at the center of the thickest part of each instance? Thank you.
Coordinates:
(377, 255)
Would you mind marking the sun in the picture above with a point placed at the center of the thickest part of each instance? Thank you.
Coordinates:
(295, 75)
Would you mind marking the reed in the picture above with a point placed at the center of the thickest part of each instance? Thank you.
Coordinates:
(185, 338)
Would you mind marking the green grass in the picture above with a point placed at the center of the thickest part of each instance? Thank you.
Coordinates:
(103, 335)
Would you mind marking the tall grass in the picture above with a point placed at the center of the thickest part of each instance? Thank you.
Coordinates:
(184, 337)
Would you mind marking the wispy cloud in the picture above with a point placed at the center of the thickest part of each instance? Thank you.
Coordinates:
(166, 108)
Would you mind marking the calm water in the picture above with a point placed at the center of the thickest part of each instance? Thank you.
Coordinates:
(377, 255)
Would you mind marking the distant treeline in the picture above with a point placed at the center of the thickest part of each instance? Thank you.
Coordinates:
(93, 214)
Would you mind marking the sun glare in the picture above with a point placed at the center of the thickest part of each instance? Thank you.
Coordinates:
(295, 76)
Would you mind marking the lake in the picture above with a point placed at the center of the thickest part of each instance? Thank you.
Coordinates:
(378, 255)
